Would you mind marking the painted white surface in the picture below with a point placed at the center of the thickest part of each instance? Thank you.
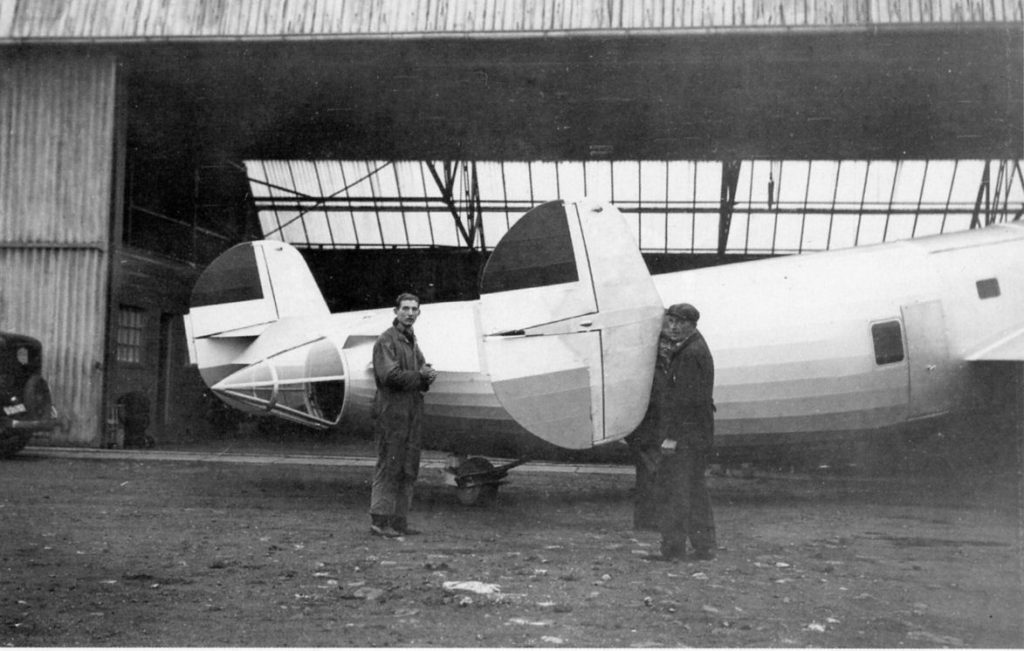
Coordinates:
(791, 339)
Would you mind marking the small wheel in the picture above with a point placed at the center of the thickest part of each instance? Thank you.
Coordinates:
(480, 495)
(475, 493)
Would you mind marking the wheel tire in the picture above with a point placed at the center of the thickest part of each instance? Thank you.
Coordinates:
(39, 404)
(476, 494)
(11, 443)
(480, 495)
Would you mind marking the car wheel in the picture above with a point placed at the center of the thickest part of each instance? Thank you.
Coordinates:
(12, 442)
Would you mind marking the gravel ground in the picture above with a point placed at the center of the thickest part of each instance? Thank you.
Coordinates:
(133, 550)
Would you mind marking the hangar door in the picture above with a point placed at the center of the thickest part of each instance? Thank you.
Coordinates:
(57, 126)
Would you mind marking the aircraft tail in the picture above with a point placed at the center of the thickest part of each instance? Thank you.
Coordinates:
(241, 293)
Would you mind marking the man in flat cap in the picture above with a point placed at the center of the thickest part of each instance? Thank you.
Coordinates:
(685, 422)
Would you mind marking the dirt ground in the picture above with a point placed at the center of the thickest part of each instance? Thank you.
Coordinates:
(139, 551)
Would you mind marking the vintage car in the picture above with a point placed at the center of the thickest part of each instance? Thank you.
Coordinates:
(26, 406)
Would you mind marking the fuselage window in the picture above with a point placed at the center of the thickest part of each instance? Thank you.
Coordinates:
(988, 288)
(888, 338)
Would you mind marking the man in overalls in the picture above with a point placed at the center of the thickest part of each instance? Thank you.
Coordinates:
(402, 377)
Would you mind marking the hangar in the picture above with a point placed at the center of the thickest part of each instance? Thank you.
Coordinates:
(395, 141)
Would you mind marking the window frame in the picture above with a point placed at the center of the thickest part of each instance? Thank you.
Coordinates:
(130, 339)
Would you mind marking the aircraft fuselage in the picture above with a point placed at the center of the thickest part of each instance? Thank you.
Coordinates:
(815, 347)
(807, 348)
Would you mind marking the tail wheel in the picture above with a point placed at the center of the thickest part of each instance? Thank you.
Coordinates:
(473, 485)
(36, 395)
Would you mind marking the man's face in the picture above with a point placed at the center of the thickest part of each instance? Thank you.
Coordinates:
(674, 328)
(407, 312)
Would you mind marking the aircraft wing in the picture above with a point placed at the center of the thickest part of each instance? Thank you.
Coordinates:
(1008, 348)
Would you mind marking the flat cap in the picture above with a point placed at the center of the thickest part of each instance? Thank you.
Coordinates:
(684, 311)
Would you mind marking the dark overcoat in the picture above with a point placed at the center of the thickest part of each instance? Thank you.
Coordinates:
(682, 401)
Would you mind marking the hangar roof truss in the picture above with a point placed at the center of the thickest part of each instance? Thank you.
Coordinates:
(677, 206)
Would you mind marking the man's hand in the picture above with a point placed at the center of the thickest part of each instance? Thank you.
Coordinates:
(428, 373)
(668, 446)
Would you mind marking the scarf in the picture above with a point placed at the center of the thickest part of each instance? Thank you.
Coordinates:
(668, 349)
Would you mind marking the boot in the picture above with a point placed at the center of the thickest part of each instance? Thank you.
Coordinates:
(400, 525)
(379, 526)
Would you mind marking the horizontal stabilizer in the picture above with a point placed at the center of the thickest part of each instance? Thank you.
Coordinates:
(1009, 348)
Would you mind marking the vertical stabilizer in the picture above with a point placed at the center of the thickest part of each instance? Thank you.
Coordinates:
(244, 290)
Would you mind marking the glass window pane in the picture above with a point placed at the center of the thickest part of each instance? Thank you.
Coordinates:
(878, 185)
(545, 181)
(909, 181)
(888, 341)
(599, 180)
(844, 231)
(708, 184)
(338, 222)
(792, 205)
(1015, 189)
(928, 223)
(872, 229)
(367, 231)
(392, 226)
(292, 226)
(317, 229)
(627, 183)
(417, 225)
(129, 336)
(571, 180)
(791, 182)
(680, 182)
(495, 227)
(900, 227)
(787, 233)
(850, 183)
(705, 233)
(821, 186)
(517, 181)
(815, 232)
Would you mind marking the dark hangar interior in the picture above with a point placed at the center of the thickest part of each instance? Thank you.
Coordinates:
(191, 110)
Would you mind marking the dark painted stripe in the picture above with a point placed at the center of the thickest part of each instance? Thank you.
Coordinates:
(214, 374)
(230, 278)
(536, 252)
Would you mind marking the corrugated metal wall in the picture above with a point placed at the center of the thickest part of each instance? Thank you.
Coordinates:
(213, 18)
(56, 153)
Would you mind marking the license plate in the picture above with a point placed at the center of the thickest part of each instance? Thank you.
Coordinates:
(15, 409)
